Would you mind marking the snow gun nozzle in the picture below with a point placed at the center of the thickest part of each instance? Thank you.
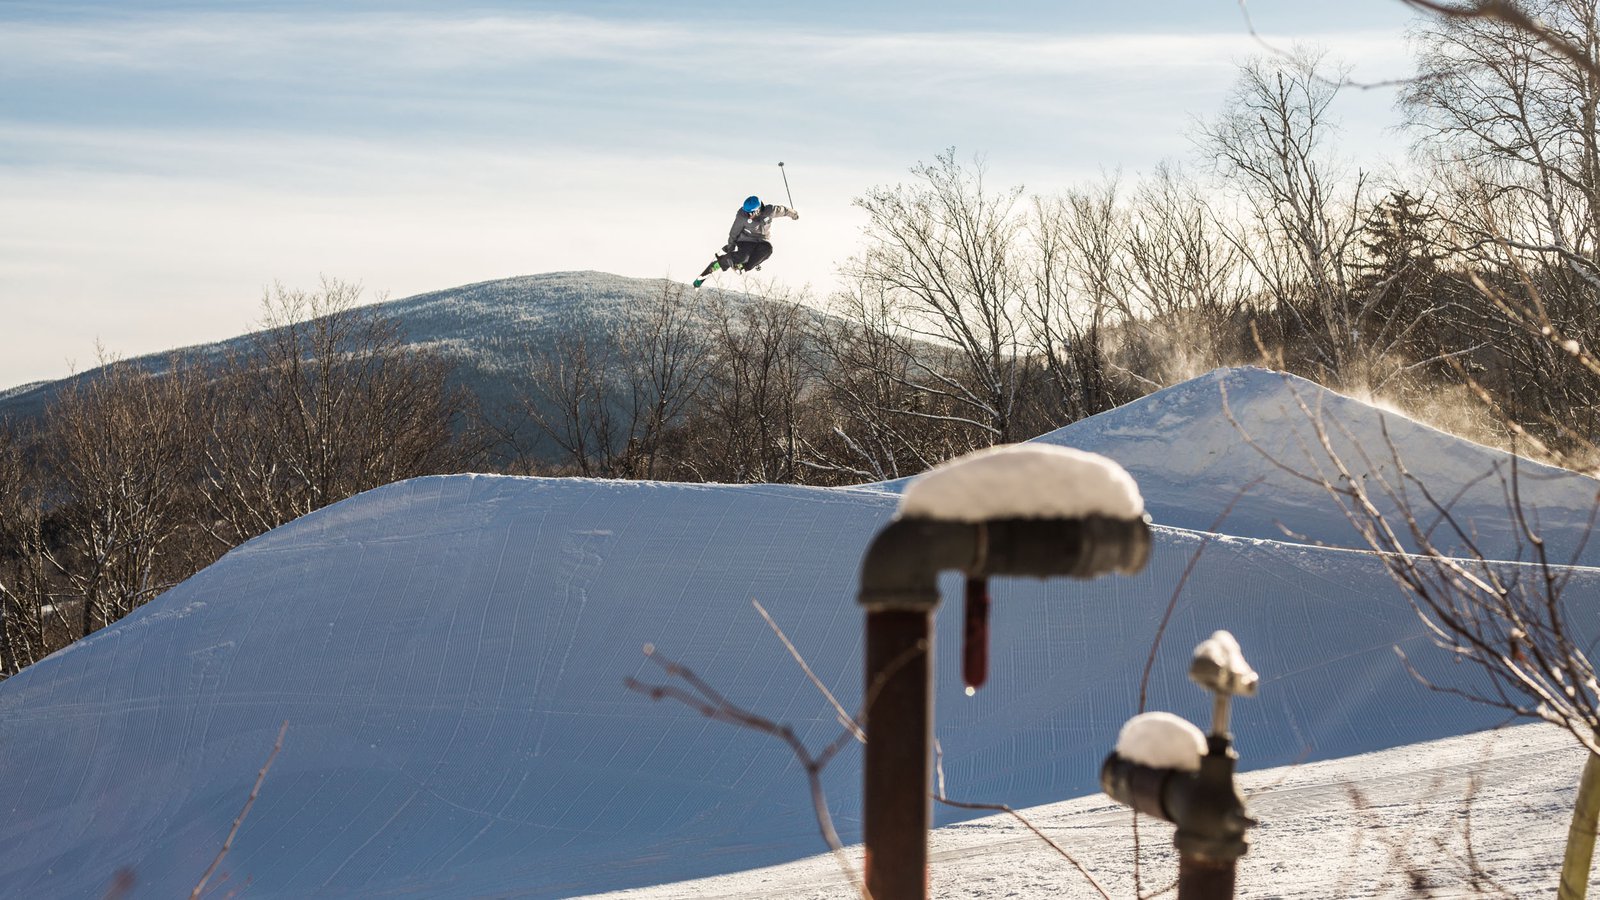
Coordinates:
(1206, 807)
(1218, 665)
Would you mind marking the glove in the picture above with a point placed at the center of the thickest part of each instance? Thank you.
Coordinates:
(794, 214)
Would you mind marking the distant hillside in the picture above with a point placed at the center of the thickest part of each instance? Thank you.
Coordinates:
(485, 329)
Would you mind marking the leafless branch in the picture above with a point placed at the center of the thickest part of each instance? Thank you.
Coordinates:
(1508, 13)
(844, 718)
(1250, 26)
(233, 832)
(939, 795)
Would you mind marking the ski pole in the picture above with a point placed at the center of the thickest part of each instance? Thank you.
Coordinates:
(786, 184)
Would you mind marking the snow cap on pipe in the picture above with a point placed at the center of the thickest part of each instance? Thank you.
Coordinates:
(1023, 481)
(1162, 740)
(1219, 665)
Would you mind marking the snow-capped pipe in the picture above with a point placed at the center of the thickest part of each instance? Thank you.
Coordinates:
(1172, 782)
(902, 564)
(1205, 806)
(899, 589)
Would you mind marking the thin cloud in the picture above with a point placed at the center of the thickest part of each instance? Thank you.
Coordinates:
(433, 44)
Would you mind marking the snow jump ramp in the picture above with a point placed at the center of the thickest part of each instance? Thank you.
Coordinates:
(449, 655)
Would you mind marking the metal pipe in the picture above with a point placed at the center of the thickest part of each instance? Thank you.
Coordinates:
(899, 590)
(1203, 879)
(896, 805)
(1205, 806)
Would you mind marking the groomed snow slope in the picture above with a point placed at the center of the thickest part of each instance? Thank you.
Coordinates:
(1191, 461)
(449, 655)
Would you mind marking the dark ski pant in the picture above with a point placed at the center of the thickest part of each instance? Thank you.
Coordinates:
(745, 255)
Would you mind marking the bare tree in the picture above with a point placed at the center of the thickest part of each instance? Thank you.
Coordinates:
(665, 362)
(1301, 234)
(1511, 107)
(945, 250)
(609, 389)
(121, 451)
(877, 424)
(569, 398)
(1506, 111)
(747, 424)
(1075, 295)
(1187, 290)
(327, 401)
(31, 624)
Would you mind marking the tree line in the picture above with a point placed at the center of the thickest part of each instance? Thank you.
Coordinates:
(135, 479)
(1462, 290)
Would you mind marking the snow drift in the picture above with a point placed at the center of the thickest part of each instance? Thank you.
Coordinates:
(449, 653)
(1220, 438)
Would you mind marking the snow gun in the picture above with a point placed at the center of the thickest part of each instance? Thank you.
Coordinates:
(1030, 510)
(1164, 767)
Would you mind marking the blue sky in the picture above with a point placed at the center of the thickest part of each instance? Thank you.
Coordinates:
(163, 163)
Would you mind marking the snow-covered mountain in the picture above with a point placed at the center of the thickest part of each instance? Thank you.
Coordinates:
(487, 329)
(449, 653)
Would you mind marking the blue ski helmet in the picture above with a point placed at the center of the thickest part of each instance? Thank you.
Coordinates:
(751, 204)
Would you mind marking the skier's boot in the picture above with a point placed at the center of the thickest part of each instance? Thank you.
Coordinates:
(702, 279)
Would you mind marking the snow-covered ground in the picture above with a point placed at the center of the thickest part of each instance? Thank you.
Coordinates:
(449, 654)
(1480, 815)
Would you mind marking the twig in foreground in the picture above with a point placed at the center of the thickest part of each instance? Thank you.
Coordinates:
(845, 719)
(706, 700)
(939, 795)
(233, 832)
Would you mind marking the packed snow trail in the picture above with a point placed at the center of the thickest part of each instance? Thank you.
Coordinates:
(1354, 827)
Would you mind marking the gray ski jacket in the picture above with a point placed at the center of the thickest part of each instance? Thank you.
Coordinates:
(757, 226)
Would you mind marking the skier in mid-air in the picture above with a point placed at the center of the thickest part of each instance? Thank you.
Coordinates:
(748, 244)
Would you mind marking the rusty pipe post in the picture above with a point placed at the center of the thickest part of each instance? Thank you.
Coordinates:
(897, 807)
(899, 591)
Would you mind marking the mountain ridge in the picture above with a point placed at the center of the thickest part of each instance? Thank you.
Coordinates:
(485, 328)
